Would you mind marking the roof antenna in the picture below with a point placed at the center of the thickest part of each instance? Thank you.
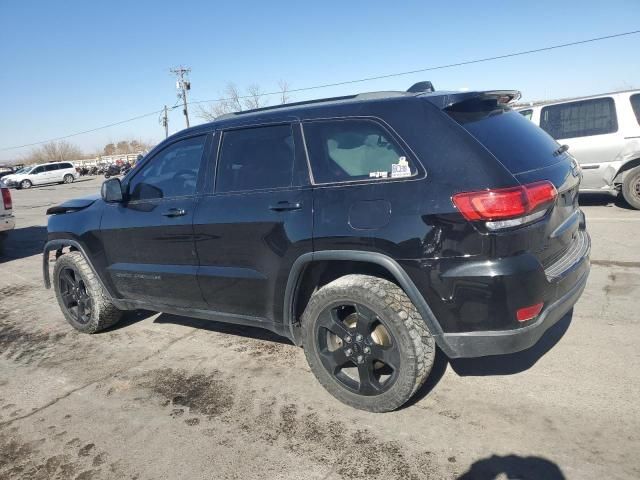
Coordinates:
(421, 87)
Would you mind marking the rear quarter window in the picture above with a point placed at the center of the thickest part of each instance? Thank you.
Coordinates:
(354, 149)
(583, 118)
(635, 104)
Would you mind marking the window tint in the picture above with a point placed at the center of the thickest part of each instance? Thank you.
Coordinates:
(52, 167)
(526, 113)
(344, 150)
(37, 170)
(635, 104)
(65, 165)
(173, 172)
(580, 119)
(255, 158)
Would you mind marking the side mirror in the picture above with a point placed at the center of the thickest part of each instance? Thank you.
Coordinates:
(112, 191)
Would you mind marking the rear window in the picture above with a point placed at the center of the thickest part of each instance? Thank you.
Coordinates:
(515, 141)
(580, 119)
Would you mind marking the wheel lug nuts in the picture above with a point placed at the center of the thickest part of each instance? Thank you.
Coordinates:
(347, 339)
(348, 352)
(358, 338)
(360, 359)
(366, 350)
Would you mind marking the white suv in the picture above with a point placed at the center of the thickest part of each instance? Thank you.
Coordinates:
(57, 172)
(603, 134)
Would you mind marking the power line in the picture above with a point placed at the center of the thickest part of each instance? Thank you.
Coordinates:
(438, 67)
(346, 82)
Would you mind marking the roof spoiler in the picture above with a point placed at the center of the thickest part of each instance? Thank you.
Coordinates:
(421, 87)
(448, 99)
(502, 96)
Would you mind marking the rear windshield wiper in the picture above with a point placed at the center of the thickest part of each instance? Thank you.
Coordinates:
(560, 150)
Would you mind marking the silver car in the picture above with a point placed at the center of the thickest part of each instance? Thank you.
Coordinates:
(603, 134)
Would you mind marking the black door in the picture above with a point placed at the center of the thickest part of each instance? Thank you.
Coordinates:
(148, 239)
(250, 231)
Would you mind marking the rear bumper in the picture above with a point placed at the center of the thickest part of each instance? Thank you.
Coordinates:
(484, 343)
(7, 222)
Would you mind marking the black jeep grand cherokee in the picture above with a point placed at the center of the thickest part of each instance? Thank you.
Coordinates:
(368, 229)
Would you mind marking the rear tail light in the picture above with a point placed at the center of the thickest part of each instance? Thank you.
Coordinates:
(529, 313)
(507, 207)
(6, 199)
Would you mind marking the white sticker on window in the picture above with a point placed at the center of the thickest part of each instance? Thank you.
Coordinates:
(400, 169)
(378, 174)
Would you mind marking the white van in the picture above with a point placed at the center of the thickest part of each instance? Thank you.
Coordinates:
(56, 172)
(603, 134)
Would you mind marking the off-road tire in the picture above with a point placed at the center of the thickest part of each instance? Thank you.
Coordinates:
(631, 188)
(104, 314)
(68, 178)
(398, 314)
(26, 184)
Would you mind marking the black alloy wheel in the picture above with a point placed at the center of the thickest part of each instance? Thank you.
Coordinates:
(357, 349)
(75, 298)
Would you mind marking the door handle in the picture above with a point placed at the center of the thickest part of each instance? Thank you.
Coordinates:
(285, 206)
(175, 212)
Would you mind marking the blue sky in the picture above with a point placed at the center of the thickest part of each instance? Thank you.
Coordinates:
(74, 65)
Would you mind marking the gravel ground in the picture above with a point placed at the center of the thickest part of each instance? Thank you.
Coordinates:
(161, 396)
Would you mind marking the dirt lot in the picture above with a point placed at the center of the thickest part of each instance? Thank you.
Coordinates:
(161, 396)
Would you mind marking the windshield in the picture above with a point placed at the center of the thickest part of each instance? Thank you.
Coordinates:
(24, 170)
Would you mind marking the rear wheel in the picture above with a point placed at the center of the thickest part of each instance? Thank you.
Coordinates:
(366, 343)
(631, 188)
(26, 184)
(68, 178)
(83, 301)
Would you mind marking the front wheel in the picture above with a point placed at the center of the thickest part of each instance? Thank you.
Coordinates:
(26, 184)
(366, 343)
(68, 178)
(631, 188)
(83, 301)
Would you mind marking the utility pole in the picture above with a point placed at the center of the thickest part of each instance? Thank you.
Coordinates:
(183, 85)
(165, 122)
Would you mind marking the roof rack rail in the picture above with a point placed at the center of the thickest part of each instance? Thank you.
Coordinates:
(359, 96)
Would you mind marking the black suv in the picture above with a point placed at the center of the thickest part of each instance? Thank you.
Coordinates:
(368, 229)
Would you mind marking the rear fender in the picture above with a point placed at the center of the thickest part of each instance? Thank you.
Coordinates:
(394, 269)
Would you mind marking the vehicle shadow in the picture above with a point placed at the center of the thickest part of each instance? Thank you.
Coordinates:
(23, 242)
(514, 362)
(603, 199)
(493, 365)
(222, 327)
(513, 466)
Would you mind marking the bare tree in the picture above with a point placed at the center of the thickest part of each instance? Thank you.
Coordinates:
(122, 147)
(233, 100)
(109, 149)
(284, 87)
(54, 152)
(255, 97)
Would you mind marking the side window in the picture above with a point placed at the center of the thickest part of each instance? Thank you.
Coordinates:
(37, 170)
(526, 113)
(353, 149)
(65, 165)
(635, 104)
(173, 172)
(255, 158)
(51, 168)
(580, 119)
